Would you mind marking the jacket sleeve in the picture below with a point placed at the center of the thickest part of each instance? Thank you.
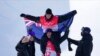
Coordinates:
(66, 16)
(20, 47)
(62, 39)
(42, 46)
(43, 43)
(30, 17)
(73, 41)
(37, 40)
(65, 36)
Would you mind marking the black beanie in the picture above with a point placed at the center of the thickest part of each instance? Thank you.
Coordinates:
(48, 11)
(49, 30)
(86, 29)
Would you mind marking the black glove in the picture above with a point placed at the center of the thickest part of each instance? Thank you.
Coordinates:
(22, 15)
(69, 46)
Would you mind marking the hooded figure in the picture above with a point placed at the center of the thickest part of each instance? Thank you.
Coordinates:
(50, 21)
(85, 45)
(26, 47)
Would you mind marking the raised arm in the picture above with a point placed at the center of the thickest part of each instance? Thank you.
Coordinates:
(64, 37)
(30, 17)
(66, 16)
(37, 40)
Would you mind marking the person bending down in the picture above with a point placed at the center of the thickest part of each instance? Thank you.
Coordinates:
(26, 47)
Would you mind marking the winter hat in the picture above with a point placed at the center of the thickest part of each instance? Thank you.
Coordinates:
(49, 30)
(48, 11)
(86, 29)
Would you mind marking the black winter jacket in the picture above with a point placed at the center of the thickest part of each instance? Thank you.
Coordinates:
(25, 49)
(85, 45)
(56, 39)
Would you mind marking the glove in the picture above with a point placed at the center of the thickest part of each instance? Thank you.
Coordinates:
(22, 15)
(69, 46)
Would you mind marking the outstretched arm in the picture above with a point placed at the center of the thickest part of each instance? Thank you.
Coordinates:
(73, 41)
(70, 41)
(30, 17)
(66, 16)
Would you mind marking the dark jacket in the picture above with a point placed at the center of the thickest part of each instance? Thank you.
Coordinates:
(56, 39)
(25, 49)
(61, 18)
(85, 45)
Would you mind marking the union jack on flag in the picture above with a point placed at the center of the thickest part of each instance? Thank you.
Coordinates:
(29, 23)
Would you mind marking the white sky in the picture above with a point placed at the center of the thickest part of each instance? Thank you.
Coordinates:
(12, 26)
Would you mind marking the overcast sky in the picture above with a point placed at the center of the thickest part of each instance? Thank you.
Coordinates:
(12, 26)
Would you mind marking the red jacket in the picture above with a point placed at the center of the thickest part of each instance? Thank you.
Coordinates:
(48, 24)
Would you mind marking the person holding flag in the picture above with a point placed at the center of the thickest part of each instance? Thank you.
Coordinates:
(50, 42)
(49, 20)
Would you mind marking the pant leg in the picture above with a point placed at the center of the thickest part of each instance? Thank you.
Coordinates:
(58, 54)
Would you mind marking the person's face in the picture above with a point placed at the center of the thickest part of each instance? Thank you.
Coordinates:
(48, 16)
(84, 32)
(31, 39)
(49, 34)
(25, 40)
